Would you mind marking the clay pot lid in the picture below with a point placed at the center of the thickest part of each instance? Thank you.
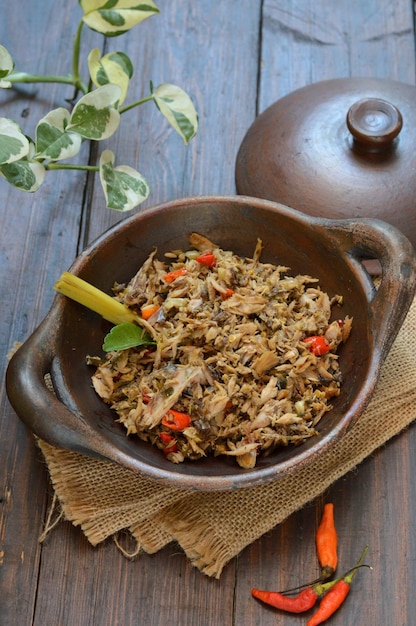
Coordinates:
(341, 148)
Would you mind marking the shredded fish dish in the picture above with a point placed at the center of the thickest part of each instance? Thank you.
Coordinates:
(244, 358)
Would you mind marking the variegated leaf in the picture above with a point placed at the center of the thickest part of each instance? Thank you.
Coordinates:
(94, 116)
(52, 140)
(25, 175)
(6, 66)
(115, 17)
(115, 68)
(124, 188)
(14, 145)
(175, 104)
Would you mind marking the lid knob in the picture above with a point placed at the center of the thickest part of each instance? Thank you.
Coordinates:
(374, 122)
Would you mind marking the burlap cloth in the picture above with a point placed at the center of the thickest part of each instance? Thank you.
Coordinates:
(104, 499)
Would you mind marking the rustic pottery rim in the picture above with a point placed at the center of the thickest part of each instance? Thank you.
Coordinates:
(57, 417)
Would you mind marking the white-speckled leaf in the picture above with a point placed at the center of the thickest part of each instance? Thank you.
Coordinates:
(25, 175)
(115, 17)
(94, 116)
(115, 68)
(6, 66)
(14, 145)
(175, 104)
(124, 188)
(52, 140)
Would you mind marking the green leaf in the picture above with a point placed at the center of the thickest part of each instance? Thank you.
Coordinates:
(115, 17)
(126, 335)
(93, 116)
(115, 68)
(6, 66)
(124, 188)
(52, 140)
(25, 175)
(14, 145)
(175, 104)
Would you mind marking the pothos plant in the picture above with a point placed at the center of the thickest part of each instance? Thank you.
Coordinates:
(95, 115)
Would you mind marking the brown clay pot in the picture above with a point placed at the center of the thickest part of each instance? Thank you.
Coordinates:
(74, 417)
(341, 148)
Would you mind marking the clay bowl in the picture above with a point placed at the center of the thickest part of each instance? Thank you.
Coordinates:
(332, 250)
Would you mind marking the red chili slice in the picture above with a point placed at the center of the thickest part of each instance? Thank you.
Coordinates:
(207, 259)
(227, 293)
(148, 310)
(318, 344)
(174, 274)
(169, 442)
(175, 420)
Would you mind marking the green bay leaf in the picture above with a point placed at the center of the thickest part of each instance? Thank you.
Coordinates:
(126, 335)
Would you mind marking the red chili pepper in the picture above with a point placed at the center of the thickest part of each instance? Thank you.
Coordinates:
(326, 539)
(207, 259)
(148, 310)
(227, 293)
(175, 420)
(330, 603)
(318, 344)
(174, 274)
(335, 596)
(300, 603)
(169, 442)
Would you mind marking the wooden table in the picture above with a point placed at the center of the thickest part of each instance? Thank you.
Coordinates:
(235, 58)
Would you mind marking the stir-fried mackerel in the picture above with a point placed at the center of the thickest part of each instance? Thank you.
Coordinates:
(230, 354)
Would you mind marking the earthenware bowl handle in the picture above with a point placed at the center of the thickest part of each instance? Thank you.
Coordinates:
(390, 294)
(33, 397)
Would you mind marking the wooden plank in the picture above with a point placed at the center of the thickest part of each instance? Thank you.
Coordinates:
(38, 237)
(372, 507)
(211, 51)
(201, 48)
(100, 586)
(304, 42)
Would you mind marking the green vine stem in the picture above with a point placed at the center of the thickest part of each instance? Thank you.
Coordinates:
(23, 77)
(78, 82)
(66, 166)
(136, 104)
(72, 79)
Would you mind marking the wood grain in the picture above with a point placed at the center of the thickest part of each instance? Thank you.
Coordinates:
(38, 236)
(235, 59)
(305, 42)
(211, 50)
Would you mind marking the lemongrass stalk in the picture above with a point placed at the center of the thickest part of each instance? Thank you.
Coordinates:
(98, 301)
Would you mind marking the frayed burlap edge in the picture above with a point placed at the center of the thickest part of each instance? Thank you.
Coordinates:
(212, 528)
